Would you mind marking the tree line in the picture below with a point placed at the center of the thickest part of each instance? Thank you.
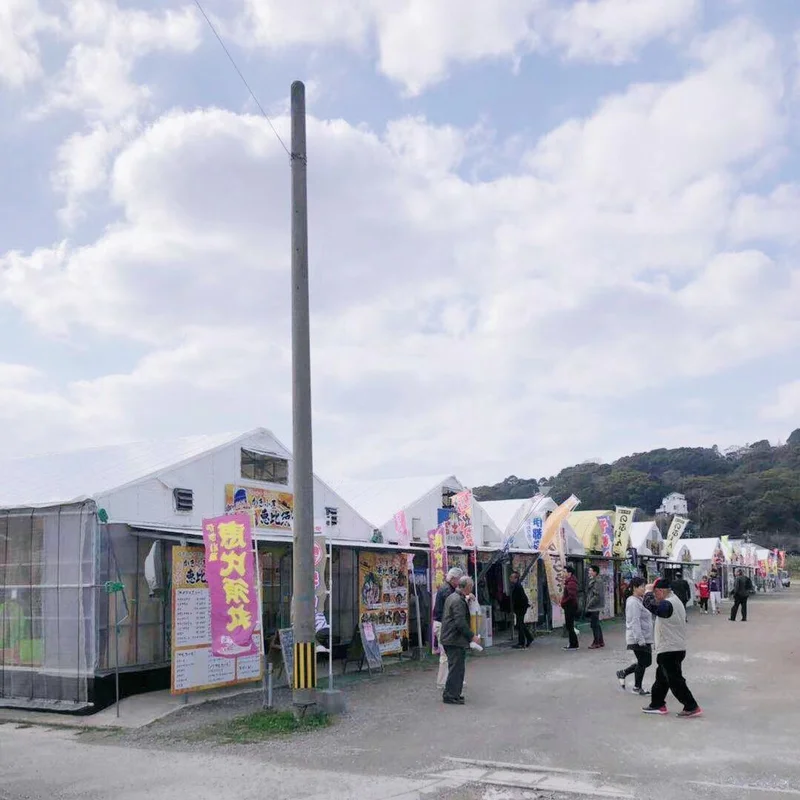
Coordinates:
(752, 489)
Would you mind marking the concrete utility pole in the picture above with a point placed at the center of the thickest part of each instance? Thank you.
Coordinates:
(305, 663)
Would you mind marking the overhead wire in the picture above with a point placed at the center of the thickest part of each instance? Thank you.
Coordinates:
(243, 79)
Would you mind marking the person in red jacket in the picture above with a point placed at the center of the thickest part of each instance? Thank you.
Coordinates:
(704, 592)
(569, 602)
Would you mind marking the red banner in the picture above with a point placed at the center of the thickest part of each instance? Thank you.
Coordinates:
(233, 592)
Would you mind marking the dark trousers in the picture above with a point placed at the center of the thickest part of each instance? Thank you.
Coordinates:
(739, 602)
(569, 621)
(669, 677)
(704, 604)
(597, 631)
(644, 658)
(456, 664)
(525, 637)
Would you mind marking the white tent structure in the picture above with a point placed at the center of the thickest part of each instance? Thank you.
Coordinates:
(646, 539)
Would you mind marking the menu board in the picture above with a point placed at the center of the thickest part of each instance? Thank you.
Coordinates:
(194, 667)
(383, 598)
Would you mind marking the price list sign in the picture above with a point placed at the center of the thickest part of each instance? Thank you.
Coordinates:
(194, 666)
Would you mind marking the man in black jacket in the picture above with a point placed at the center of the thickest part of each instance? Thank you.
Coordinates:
(681, 589)
(456, 637)
(741, 591)
(445, 590)
(520, 605)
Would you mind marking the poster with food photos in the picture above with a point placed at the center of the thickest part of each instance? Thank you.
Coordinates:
(383, 598)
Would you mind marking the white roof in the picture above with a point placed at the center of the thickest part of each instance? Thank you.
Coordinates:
(58, 478)
(379, 500)
(703, 549)
(503, 512)
(642, 532)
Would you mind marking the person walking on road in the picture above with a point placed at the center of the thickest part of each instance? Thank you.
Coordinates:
(638, 637)
(595, 603)
(670, 647)
(714, 587)
(703, 592)
(741, 591)
(569, 602)
(681, 589)
(456, 637)
(445, 590)
(520, 605)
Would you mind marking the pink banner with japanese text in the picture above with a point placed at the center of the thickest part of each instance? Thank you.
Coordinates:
(233, 592)
(463, 504)
(401, 529)
(607, 528)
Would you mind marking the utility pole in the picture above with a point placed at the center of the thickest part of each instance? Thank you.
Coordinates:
(304, 679)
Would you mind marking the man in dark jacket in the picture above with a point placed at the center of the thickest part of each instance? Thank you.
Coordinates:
(595, 604)
(741, 591)
(445, 590)
(569, 602)
(681, 589)
(520, 605)
(456, 637)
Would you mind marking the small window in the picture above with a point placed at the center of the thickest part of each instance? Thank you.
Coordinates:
(447, 498)
(331, 516)
(264, 468)
(183, 499)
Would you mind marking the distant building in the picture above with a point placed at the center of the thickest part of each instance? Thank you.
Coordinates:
(674, 503)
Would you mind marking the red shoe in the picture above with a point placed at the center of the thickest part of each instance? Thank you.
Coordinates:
(650, 710)
(595, 646)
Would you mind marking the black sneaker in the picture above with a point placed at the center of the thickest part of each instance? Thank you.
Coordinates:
(571, 648)
(452, 701)
(621, 679)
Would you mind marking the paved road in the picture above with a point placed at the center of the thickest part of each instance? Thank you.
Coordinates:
(541, 708)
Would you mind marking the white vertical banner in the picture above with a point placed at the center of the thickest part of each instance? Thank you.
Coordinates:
(622, 530)
(674, 534)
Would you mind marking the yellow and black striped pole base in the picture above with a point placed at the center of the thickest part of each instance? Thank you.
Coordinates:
(305, 665)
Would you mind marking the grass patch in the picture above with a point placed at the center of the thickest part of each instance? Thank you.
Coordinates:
(265, 725)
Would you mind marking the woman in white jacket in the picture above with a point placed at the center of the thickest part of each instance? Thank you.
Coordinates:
(638, 636)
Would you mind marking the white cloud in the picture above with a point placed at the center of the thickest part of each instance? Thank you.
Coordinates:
(21, 24)
(419, 41)
(773, 217)
(615, 30)
(455, 321)
(786, 404)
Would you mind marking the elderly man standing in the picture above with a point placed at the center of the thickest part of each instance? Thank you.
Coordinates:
(456, 637)
(670, 640)
(445, 590)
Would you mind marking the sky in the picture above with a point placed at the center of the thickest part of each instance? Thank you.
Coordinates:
(541, 231)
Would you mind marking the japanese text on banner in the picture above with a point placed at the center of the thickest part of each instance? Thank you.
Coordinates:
(230, 573)
(401, 529)
(438, 558)
(622, 531)
(607, 540)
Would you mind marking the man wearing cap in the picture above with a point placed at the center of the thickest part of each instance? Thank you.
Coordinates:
(670, 648)
(445, 590)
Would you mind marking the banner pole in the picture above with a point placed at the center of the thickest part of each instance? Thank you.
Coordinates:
(330, 611)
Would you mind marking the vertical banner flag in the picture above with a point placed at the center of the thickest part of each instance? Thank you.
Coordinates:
(674, 533)
(523, 516)
(726, 547)
(622, 530)
(233, 593)
(438, 558)
(783, 559)
(607, 535)
(320, 558)
(401, 529)
(463, 505)
(552, 527)
(533, 532)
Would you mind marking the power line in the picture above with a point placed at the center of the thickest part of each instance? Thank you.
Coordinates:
(239, 73)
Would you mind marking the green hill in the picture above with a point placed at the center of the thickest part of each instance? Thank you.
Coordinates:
(754, 488)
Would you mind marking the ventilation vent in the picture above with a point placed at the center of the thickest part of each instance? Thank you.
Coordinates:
(184, 499)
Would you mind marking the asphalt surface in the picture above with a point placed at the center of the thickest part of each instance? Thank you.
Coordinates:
(536, 708)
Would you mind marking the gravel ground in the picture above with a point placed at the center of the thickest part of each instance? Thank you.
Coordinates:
(546, 707)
